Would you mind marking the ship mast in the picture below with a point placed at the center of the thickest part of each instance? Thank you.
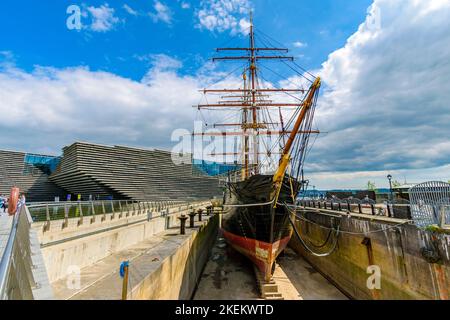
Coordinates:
(251, 99)
(253, 93)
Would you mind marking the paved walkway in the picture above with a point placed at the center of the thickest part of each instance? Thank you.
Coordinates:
(5, 230)
(101, 281)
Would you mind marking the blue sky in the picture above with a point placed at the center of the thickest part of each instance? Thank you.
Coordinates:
(37, 34)
(131, 75)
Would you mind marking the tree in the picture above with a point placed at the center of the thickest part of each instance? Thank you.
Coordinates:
(396, 184)
(371, 186)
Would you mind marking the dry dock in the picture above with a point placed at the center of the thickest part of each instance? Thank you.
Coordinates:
(81, 256)
(229, 275)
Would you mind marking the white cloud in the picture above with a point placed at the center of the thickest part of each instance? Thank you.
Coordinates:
(224, 15)
(299, 44)
(49, 108)
(162, 13)
(103, 18)
(130, 10)
(359, 179)
(185, 5)
(386, 95)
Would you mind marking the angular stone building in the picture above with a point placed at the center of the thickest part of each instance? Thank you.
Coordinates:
(29, 172)
(105, 172)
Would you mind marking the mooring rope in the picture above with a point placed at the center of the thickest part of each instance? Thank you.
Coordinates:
(309, 249)
(304, 243)
(349, 232)
(248, 204)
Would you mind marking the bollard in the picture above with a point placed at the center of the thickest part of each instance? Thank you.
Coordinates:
(349, 208)
(183, 219)
(339, 206)
(389, 210)
(200, 212)
(359, 208)
(192, 216)
(124, 268)
(372, 207)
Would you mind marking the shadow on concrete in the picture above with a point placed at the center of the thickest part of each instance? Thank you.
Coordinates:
(198, 257)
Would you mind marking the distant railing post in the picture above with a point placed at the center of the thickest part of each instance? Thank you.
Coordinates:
(113, 213)
(133, 211)
(93, 212)
(47, 218)
(389, 210)
(372, 207)
(104, 211)
(359, 208)
(80, 208)
(66, 216)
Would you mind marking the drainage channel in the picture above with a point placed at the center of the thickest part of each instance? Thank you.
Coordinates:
(230, 276)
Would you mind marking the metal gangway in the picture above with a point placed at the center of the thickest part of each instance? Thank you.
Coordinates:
(430, 204)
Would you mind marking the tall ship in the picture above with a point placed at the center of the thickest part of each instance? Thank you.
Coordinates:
(272, 123)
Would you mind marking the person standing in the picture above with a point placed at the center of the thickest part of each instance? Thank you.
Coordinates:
(21, 202)
(2, 203)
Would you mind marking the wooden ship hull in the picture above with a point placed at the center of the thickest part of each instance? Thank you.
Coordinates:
(260, 232)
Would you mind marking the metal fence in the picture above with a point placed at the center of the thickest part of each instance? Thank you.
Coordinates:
(365, 206)
(78, 209)
(16, 275)
(430, 203)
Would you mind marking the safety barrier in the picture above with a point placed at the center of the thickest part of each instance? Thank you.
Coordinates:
(16, 267)
(393, 210)
(72, 209)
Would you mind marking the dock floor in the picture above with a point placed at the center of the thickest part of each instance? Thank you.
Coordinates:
(229, 276)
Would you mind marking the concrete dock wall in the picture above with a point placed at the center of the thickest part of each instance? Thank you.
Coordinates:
(414, 263)
(177, 276)
(80, 245)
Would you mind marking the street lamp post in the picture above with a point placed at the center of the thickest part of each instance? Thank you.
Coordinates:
(390, 186)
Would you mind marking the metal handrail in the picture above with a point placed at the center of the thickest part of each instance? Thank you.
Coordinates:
(75, 202)
(47, 211)
(6, 260)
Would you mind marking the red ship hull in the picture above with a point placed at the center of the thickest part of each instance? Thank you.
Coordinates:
(262, 254)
